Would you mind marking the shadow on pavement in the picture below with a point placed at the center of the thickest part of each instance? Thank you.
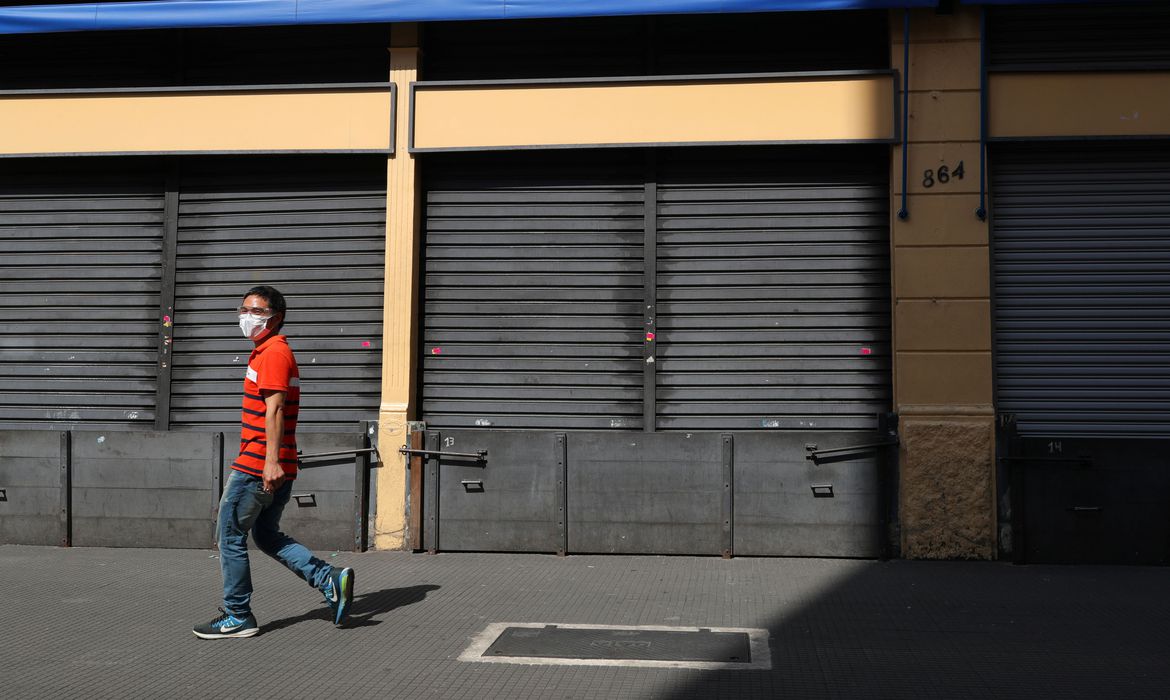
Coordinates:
(366, 607)
(964, 630)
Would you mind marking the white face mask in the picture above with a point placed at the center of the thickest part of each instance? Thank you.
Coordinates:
(252, 325)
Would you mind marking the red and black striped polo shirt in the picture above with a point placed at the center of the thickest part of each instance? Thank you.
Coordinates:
(270, 367)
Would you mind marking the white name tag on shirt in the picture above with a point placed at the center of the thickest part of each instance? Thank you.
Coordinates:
(251, 374)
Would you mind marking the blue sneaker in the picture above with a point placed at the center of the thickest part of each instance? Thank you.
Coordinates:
(339, 593)
(228, 625)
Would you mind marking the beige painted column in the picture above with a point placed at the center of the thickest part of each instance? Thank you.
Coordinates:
(942, 311)
(401, 293)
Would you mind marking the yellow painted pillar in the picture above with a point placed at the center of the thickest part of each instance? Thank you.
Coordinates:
(399, 325)
(943, 376)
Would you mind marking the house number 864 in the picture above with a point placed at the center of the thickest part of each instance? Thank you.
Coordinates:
(942, 176)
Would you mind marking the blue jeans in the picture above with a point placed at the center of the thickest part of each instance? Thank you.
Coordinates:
(243, 507)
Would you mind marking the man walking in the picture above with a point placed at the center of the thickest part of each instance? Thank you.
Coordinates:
(261, 478)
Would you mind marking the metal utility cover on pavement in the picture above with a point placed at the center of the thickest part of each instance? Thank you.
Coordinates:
(617, 645)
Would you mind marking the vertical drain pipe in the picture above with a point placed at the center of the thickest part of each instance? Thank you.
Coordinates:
(981, 212)
(904, 212)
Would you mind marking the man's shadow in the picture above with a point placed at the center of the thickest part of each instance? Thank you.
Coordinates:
(366, 607)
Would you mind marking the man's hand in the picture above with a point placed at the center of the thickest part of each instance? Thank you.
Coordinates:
(273, 476)
(273, 435)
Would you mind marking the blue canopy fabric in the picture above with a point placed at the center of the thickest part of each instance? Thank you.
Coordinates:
(174, 14)
(1030, 2)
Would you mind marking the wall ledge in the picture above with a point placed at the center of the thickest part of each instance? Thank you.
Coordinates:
(943, 411)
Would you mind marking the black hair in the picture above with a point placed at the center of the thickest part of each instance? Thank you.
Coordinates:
(273, 298)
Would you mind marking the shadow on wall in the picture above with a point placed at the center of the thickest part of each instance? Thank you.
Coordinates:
(951, 630)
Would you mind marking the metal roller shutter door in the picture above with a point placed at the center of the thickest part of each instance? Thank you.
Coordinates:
(533, 291)
(315, 230)
(1082, 288)
(1117, 36)
(79, 294)
(773, 292)
(774, 326)
(772, 278)
(772, 332)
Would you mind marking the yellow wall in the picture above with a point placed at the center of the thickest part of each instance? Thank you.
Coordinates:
(1022, 105)
(941, 287)
(135, 122)
(701, 111)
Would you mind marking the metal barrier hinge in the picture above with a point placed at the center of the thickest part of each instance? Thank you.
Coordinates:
(814, 454)
(331, 457)
(339, 453)
(887, 431)
(478, 455)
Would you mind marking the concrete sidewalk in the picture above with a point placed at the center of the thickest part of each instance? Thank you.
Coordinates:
(116, 623)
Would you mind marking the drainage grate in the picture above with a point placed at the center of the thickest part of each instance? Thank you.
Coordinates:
(684, 647)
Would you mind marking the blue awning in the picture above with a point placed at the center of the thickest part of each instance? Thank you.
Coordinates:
(174, 14)
(1030, 2)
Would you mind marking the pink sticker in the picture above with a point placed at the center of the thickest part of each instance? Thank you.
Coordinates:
(436, 351)
(166, 319)
(365, 343)
(649, 337)
(866, 351)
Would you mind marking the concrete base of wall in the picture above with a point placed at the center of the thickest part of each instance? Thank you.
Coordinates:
(947, 487)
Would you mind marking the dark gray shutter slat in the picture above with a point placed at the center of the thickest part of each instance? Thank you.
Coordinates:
(75, 378)
(567, 294)
(564, 391)
(48, 286)
(763, 319)
(315, 229)
(79, 294)
(796, 423)
(441, 382)
(1083, 308)
(205, 362)
(616, 370)
(532, 310)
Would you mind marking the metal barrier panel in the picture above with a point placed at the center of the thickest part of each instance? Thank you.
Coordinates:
(657, 493)
(786, 505)
(320, 515)
(33, 487)
(506, 503)
(642, 493)
(1084, 500)
(161, 489)
(144, 489)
